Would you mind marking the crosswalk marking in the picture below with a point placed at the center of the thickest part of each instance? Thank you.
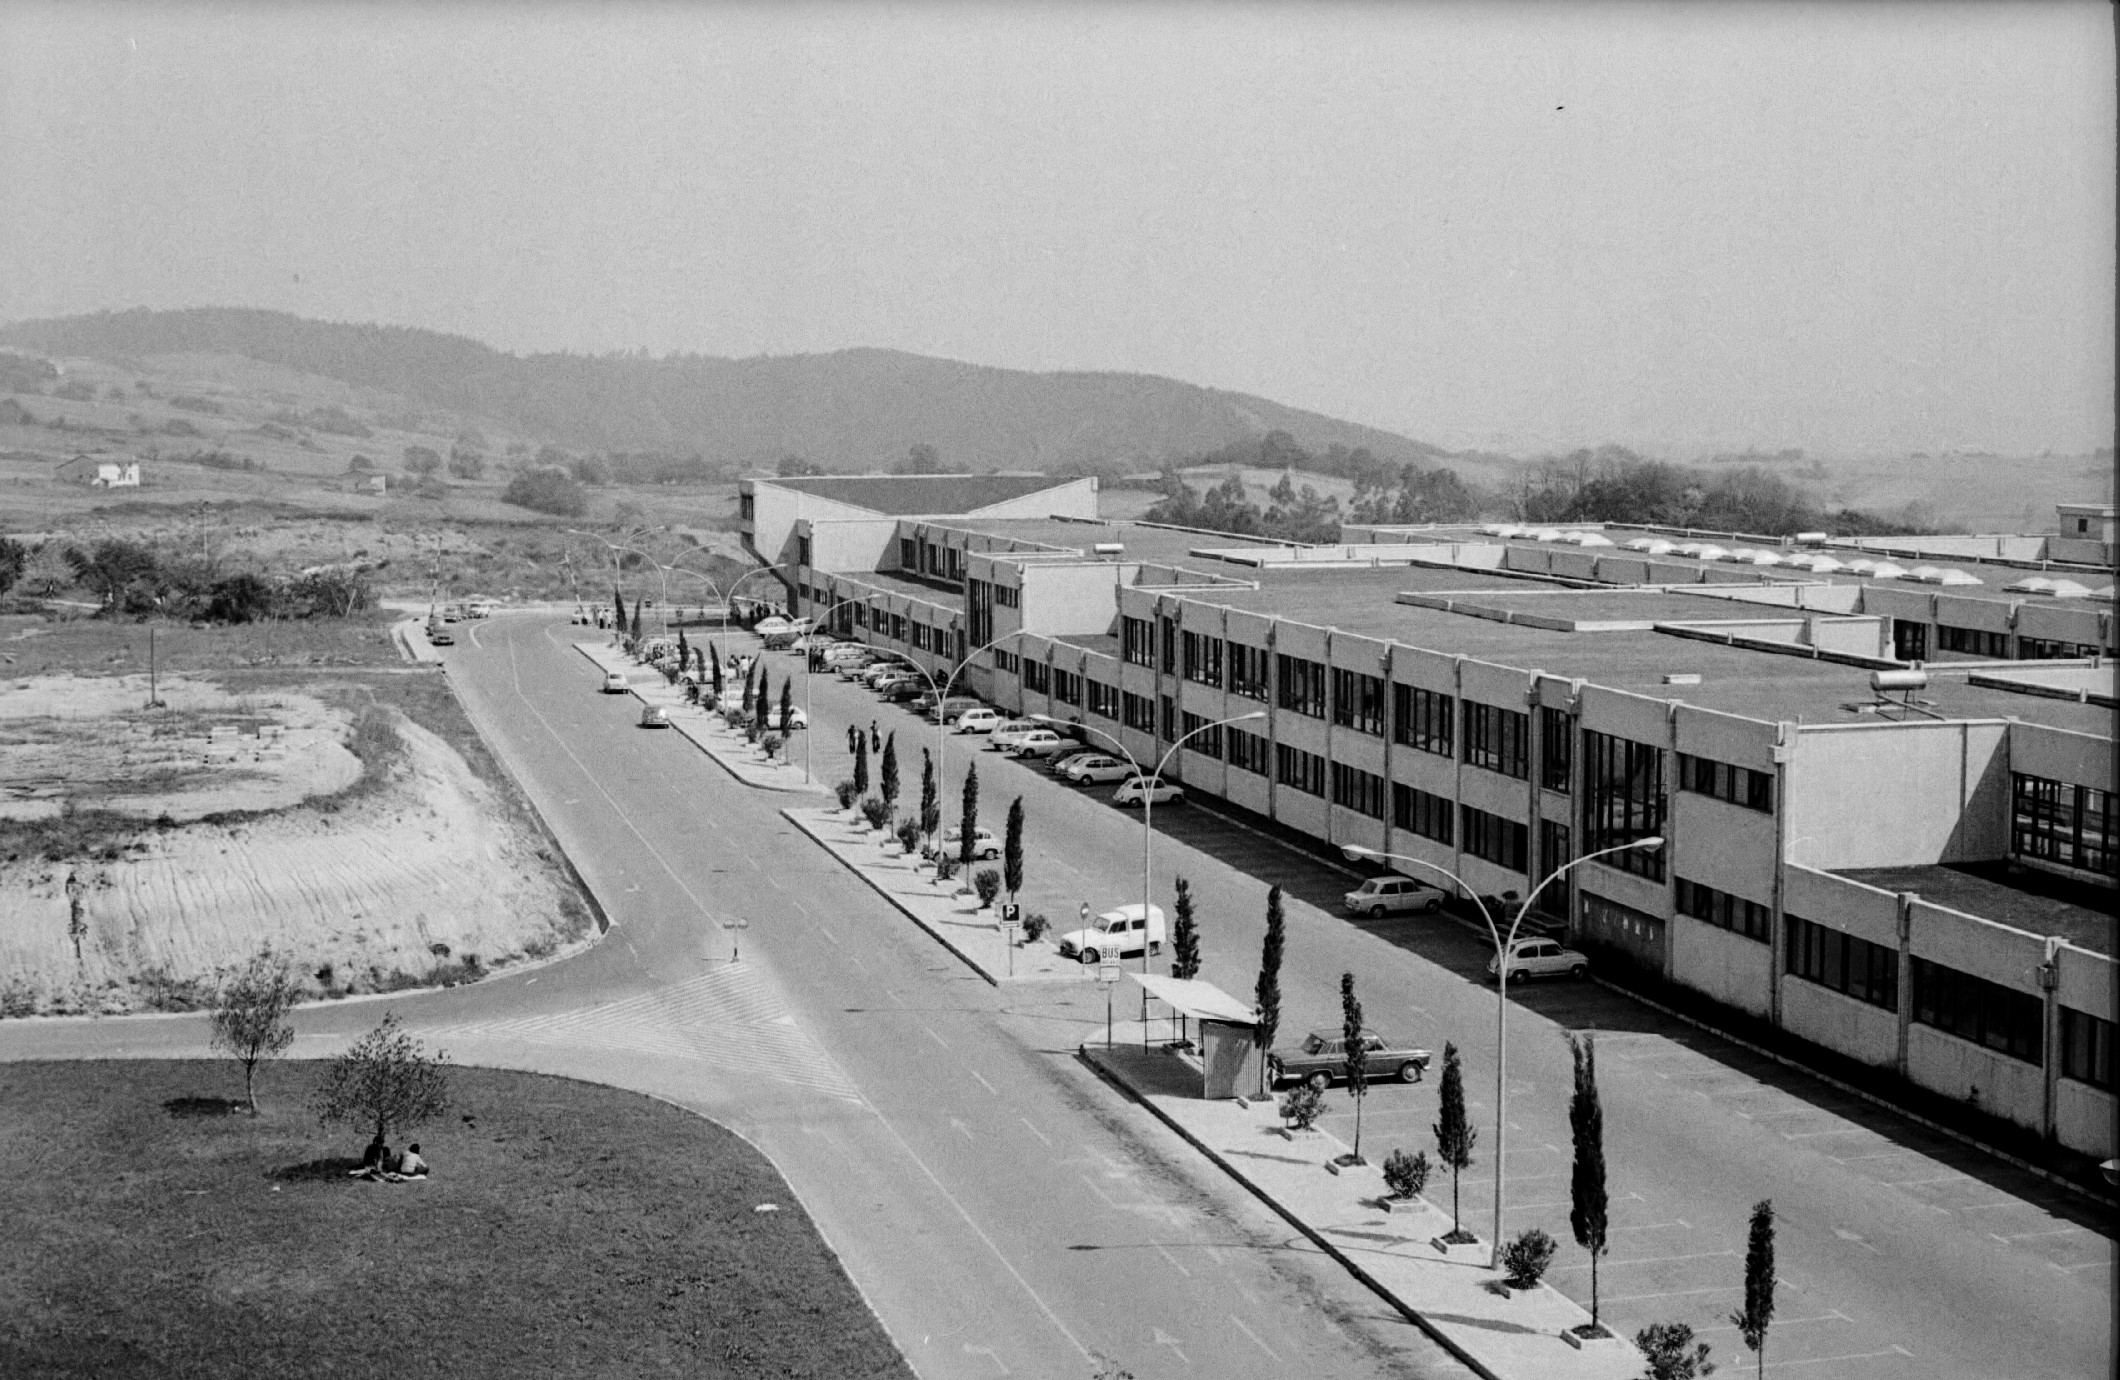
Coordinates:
(727, 1019)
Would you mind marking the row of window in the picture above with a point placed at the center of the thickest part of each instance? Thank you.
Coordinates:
(1744, 786)
(1733, 913)
(1841, 962)
(2060, 822)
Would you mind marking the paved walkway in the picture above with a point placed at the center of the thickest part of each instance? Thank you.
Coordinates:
(1391, 1249)
(741, 759)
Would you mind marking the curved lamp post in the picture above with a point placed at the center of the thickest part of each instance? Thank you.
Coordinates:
(1148, 805)
(1355, 852)
(816, 622)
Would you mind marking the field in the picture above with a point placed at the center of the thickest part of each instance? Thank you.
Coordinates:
(568, 1230)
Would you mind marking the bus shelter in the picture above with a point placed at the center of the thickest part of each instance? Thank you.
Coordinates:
(1230, 1057)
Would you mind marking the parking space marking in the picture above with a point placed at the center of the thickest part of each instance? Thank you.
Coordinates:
(1654, 1226)
(1648, 1260)
(1835, 1316)
(1034, 1129)
(1255, 1338)
(936, 1038)
(2035, 1235)
(1894, 1350)
(1667, 1294)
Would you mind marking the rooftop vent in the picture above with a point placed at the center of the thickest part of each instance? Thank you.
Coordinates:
(1109, 548)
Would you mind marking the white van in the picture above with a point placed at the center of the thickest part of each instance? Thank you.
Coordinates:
(1115, 934)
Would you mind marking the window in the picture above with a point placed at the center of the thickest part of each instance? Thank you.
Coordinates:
(1008, 596)
(1303, 770)
(1500, 841)
(1170, 646)
(1498, 739)
(1358, 701)
(1739, 916)
(897, 627)
(979, 611)
(1556, 750)
(2041, 649)
(1418, 812)
(1007, 663)
(1302, 685)
(1067, 686)
(2087, 1049)
(1554, 850)
(861, 615)
(1623, 800)
(1037, 677)
(1421, 718)
(908, 554)
(1136, 643)
(1202, 659)
(1137, 712)
(1841, 962)
(1609, 925)
(1247, 671)
(1746, 786)
(2059, 822)
(802, 552)
(920, 637)
(1978, 1010)
(1247, 751)
(1973, 642)
(1208, 744)
(1169, 707)
(1103, 700)
(1910, 640)
(746, 507)
(954, 563)
(1358, 790)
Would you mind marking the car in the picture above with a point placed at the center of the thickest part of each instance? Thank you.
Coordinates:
(1096, 768)
(1147, 790)
(1008, 735)
(780, 641)
(953, 708)
(900, 690)
(1068, 751)
(984, 844)
(1381, 894)
(978, 721)
(1541, 957)
(875, 673)
(654, 716)
(1041, 742)
(615, 683)
(439, 636)
(1321, 1060)
(796, 718)
(840, 653)
(766, 627)
(1114, 934)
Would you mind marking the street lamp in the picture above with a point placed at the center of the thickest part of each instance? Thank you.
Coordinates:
(1148, 805)
(942, 694)
(1355, 852)
(808, 670)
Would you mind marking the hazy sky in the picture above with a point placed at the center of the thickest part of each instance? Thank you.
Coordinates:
(1838, 226)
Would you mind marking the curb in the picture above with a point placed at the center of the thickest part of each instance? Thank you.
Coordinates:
(710, 753)
(940, 938)
(1315, 1237)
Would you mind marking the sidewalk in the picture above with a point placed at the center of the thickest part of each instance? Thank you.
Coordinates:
(740, 759)
(971, 934)
(1388, 1249)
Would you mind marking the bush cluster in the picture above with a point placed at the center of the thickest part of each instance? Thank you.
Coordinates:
(133, 577)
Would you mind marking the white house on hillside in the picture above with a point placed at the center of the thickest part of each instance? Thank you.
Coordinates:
(100, 472)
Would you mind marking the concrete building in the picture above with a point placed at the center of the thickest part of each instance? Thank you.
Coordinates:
(1915, 871)
(100, 472)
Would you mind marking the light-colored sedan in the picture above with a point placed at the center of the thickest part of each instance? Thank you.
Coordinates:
(1379, 895)
(615, 683)
(654, 716)
(1096, 768)
(1008, 735)
(984, 844)
(978, 721)
(1538, 957)
(1147, 790)
(796, 718)
(1042, 742)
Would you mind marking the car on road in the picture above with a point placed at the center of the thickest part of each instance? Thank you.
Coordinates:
(782, 641)
(440, 636)
(978, 721)
(1147, 790)
(1321, 1060)
(1115, 934)
(615, 683)
(1096, 768)
(984, 844)
(654, 716)
(1542, 957)
(1041, 742)
(837, 654)
(1008, 735)
(1380, 895)
(796, 718)
(766, 627)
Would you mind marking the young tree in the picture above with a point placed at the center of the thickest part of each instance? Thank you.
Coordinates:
(930, 806)
(1357, 1054)
(888, 782)
(1754, 1318)
(385, 1080)
(639, 627)
(684, 651)
(968, 819)
(861, 767)
(1454, 1134)
(714, 664)
(250, 1015)
(618, 598)
(1012, 850)
(1185, 935)
(761, 701)
(787, 725)
(1268, 990)
(1586, 1186)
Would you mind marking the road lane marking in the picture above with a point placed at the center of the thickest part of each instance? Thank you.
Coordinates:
(1656, 1226)
(1164, 1251)
(1835, 1316)
(1034, 1130)
(1667, 1294)
(983, 1083)
(1255, 1338)
(936, 1038)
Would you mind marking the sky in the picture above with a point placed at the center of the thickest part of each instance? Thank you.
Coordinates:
(1853, 228)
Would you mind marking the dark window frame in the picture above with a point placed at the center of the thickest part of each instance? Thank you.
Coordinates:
(1423, 813)
(1623, 800)
(1299, 770)
(1423, 719)
(1496, 739)
(1492, 838)
(1972, 1008)
(1358, 701)
(1299, 685)
(1358, 790)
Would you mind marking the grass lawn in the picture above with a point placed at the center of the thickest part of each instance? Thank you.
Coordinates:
(569, 1229)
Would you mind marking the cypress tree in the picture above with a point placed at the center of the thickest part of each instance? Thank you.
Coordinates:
(787, 708)
(930, 807)
(1357, 1067)
(1586, 1187)
(1754, 1318)
(1185, 937)
(618, 598)
(889, 773)
(968, 819)
(861, 768)
(1268, 990)
(1012, 851)
(637, 624)
(1454, 1134)
(714, 653)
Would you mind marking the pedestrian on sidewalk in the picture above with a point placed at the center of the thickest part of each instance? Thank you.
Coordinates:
(875, 737)
(852, 733)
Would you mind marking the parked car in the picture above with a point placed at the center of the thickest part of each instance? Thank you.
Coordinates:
(1321, 1060)
(1069, 750)
(1147, 790)
(840, 653)
(780, 641)
(766, 627)
(1115, 934)
(980, 720)
(876, 672)
(902, 689)
(1008, 735)
(615, 683)
(654, 716)
(1041, 742)
(1540, 957)
(440, 636)
(954, 707)
(1096, 768)
(1381, 894)
(796, 718)
(984, 844)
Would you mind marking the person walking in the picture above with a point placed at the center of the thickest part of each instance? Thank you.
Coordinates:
(875, 737)
(852, 734)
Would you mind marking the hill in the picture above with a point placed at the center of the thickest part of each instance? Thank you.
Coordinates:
(850, 410)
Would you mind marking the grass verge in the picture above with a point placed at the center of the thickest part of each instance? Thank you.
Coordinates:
(569, 1229)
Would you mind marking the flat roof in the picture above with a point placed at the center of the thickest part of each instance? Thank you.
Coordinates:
(1156, 545)
(909, 495)
(933, 591)
(2017, 907)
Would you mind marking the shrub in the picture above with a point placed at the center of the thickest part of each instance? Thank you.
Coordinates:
(547, 489)
(1526, 1257)
(771, 743)
(845, 791)
(1034, 926)
(945, 867)
(908, 835)
(987, 882)
(1302, 1107)
(1406, 1175)
(1671, 1353)
(875, 812)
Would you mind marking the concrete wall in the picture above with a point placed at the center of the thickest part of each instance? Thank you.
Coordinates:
(1896, 794)
(1958, 1068)
(1842, 1024)
(850, 544)
(1728, 967)
(1077, 499)
(1081, 598)
(2061, 755)
(2083, 1118)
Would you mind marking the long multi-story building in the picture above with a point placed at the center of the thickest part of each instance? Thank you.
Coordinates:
(1907, 860)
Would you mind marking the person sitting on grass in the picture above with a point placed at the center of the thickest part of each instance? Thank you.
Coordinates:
(373, 1159)
(409, 1165)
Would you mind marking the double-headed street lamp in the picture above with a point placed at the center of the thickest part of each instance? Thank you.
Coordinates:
(1148, 805)
(1356, 852)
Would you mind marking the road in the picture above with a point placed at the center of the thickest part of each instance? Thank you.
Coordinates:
(1004, 1211)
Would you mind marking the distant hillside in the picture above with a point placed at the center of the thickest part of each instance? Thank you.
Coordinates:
(846, 411)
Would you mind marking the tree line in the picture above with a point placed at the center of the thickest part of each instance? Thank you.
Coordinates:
(131, 577)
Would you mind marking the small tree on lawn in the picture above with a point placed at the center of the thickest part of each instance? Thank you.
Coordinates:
(386, 1080)
(684, 651)
(930, 805)
(787, 705)
(1268, 990)
(861, 766)
(1754, 1318)
(888, 782)
(1012, 850)
(1454, 1133)
(640, 627)
(250, 1015)
(1357, 1054)
(1184, 943)
(760, 702)
(1586, 1185)
(968, 819)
